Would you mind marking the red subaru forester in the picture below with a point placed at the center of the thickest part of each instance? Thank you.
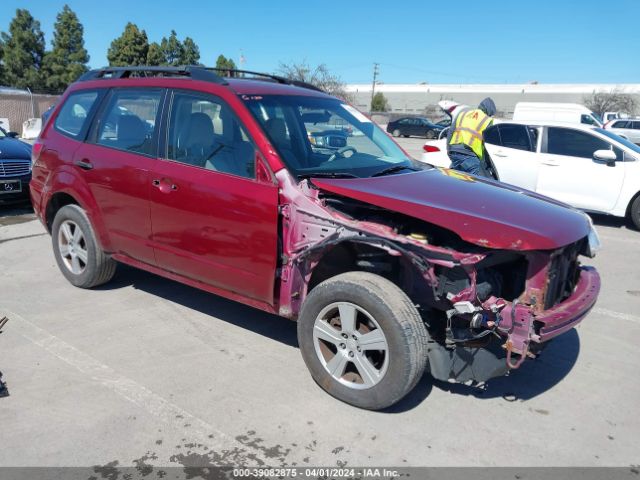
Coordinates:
(277, 195)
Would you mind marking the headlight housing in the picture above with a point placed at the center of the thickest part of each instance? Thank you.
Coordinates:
(594, 240)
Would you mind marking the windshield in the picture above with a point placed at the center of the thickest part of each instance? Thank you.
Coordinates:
(2, 133)
(630, 145)
(323, 136)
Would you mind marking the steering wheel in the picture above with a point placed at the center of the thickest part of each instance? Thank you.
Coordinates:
(341, 151)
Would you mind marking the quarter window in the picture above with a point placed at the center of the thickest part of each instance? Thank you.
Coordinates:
(204, 132)
(129, 120)
(72, 119)
(573, 143)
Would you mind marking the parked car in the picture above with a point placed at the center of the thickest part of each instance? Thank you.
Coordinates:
(383, 261)
(590, 168)
(555, 112)
(414, 126)
(15, 168)
(629, 129)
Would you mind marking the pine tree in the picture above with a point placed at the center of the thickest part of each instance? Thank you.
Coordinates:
(225, 63)
(22, 52)
(172, 49)
(154, 55)
(190, 52)
(68, 58)
(130, 48)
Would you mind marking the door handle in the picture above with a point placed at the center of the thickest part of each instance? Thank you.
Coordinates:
(550, 163)
(500, 153)
(84, 164)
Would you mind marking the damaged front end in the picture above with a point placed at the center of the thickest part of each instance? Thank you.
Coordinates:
(486, 309)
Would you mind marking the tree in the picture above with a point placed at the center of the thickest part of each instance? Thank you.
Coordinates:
(68, 58)
(190, 52)
(614, 101)
(22, 52)
(379, 103)
(224, 63)
(317, 76)
(130, 48)
(172, 49)
(154, 55)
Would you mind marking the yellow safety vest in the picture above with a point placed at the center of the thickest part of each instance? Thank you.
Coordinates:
(468, 130)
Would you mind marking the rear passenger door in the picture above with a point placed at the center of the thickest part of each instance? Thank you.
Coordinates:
(512, 148)
(213, 220)
(116, 161)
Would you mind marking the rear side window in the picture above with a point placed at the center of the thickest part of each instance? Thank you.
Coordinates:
(573, 143)
(515, 136)
(128, 122)
(72, 120)
(636, 125)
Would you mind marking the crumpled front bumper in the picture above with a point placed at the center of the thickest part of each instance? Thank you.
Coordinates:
(524, 326)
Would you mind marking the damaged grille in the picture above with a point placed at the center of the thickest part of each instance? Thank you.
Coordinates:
(563, 274)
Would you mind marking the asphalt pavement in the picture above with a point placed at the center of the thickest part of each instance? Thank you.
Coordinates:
(148, 370)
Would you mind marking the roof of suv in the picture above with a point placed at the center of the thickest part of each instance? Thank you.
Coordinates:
(258, 83)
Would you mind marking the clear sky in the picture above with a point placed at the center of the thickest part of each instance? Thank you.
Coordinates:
(460, 41)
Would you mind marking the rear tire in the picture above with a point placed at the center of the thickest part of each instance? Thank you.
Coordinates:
(430, 134)
(634, 213)
(396, 133)
(362, 340)
(77, 252)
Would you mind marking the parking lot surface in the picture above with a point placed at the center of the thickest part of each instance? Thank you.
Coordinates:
(148, 370)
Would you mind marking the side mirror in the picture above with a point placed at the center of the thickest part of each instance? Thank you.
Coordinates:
(606, 156)
(13, 134)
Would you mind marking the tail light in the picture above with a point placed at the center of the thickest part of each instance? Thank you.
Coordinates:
(430, 148)
(36, 150)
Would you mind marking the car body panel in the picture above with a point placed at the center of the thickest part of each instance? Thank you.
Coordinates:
(480, 211)
(15, 169)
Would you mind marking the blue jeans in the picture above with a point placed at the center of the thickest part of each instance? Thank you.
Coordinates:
(465, 163)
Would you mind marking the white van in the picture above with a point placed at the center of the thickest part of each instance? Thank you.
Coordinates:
(555, 112)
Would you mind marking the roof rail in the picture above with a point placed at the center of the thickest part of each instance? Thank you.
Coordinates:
(192, 71)
(232, 72)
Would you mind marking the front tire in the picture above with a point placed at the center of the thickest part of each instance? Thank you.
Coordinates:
(430, 135)
(79, 257)
(634, 213)
(362, 340)
(396, 133)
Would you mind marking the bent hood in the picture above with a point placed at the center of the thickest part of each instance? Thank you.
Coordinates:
(480, 211)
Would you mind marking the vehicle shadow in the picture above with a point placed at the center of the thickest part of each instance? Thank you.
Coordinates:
(532, 379)
(271, 326)
(609, 221)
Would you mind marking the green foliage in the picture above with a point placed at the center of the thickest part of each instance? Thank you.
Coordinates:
(172, 49)
(68, 58)
(190, 52)
(379, 103)
(154, 55)
(130, 48)
(22, 52)
(225, 63)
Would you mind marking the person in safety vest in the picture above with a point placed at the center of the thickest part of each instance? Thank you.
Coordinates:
(465, 143)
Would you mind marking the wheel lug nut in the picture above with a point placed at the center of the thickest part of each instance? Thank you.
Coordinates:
(350, 354)
(344, 335)
(359, 349)
(343, 346)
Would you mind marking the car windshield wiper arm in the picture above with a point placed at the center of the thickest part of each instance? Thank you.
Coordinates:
(327, 175)
(396, 168)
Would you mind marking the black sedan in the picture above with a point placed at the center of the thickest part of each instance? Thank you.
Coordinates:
(15, 168)
(416, 126)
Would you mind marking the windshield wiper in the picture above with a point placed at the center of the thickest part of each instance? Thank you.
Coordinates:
(327, 175)
(395, 168)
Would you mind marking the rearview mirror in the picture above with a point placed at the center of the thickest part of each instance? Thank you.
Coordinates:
(607, 156)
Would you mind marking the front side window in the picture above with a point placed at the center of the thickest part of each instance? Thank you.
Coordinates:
(204, 132)
(128, 122)
(574, 143)
(320, 136)
(73, 116)
(587, 119)
(515, 136)
(621, 124)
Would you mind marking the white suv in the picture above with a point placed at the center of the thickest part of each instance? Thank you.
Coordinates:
(626, 127)
(590, 168)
